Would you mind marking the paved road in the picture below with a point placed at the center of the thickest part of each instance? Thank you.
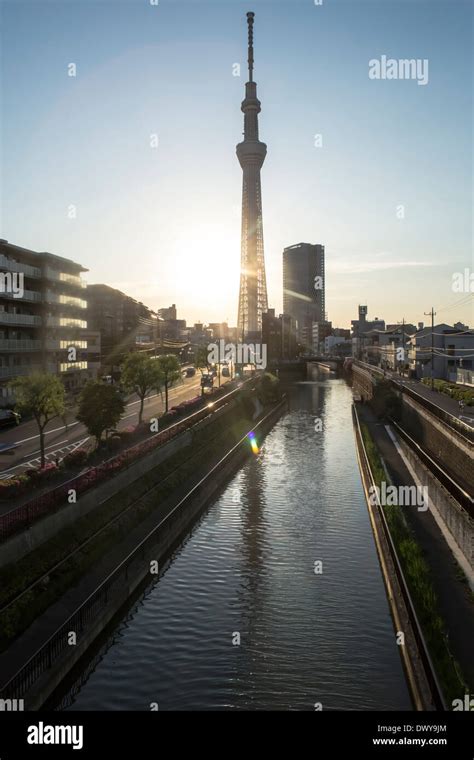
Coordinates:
(440, 399)
(61, 439)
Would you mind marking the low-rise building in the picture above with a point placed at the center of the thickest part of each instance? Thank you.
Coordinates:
(279, 336)
(337, 345)
(440, 352)
(360, 328)
(319, 332)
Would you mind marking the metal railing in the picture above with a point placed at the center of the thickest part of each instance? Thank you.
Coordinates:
(45, 657)
(428, 667)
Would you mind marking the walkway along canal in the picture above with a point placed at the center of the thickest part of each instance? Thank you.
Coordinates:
(275, 600)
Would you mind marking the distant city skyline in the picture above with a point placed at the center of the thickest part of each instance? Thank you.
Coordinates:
(140, 145)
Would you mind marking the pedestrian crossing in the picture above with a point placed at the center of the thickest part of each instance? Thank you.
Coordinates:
(51, 456)
(58, 454)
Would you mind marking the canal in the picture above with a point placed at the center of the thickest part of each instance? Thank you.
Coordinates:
(239, 619)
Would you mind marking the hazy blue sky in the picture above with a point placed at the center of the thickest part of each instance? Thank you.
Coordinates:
(163, 224)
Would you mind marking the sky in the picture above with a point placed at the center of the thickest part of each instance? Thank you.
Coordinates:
(129, 166)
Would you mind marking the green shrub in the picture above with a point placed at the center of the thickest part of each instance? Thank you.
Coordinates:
(75, 458)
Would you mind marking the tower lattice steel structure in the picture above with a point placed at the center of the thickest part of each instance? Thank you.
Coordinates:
(251, 154)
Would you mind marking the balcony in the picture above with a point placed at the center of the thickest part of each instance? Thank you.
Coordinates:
(72, 366)
(26, 369)
(71, 279)
(28, 295)
(10, 344)
(7, 318)
(65, 300)
(14, 266)
(64, 345)
(66, 322)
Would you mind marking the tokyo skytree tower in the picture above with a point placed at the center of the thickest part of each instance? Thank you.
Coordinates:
(251, 154)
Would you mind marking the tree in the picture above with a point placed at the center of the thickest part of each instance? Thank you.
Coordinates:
(41, 395)
(202, 359)
(100, 408)
(268, 389)
(171, 371)
(142, 374)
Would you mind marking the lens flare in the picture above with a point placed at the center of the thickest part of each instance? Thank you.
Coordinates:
(253, 442)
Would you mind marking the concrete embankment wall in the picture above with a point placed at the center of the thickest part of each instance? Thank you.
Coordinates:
(447, 448)
(135, 569)
(458, 522)
(410, 653)
(21, 544)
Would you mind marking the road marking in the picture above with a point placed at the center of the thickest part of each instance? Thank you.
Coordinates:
(52, 455)
(45, 448)
(47, 432)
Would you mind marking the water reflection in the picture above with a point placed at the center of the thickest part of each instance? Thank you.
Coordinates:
(248, 569)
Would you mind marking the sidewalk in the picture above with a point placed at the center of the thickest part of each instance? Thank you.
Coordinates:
(456, 604)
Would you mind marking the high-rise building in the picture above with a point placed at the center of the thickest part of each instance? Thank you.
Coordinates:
(304, 287)
(251, 154)
(42, 317)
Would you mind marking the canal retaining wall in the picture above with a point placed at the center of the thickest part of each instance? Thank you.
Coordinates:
(445, 445)
(423, 684)
(21, 544)
(42, 673)
(451, 514)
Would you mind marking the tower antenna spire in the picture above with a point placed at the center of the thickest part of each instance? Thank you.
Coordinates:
(250, 18)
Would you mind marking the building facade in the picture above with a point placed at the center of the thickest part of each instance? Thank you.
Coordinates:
(123, 322)
(441, 352)
(304, 288)
(168, 312)
(360, 327)
(279, 336)
(43, 320)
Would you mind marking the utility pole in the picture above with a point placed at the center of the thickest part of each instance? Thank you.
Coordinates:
(433, 314)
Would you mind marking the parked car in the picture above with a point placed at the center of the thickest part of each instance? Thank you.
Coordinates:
(190, 371)
(9, 417)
